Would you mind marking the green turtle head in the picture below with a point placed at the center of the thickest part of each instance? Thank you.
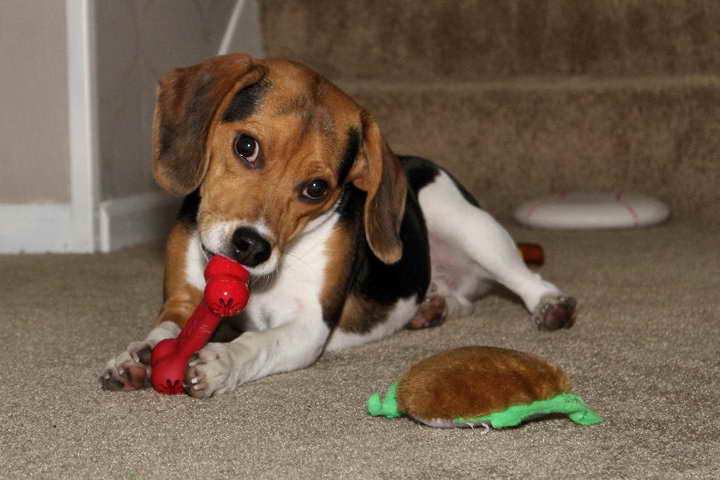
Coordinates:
(386, 407)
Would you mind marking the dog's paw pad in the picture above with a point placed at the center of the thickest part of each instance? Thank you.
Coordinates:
(432, 313)
(128, 375)
(128, 371)
(555, 312)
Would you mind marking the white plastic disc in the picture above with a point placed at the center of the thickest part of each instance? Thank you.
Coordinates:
(588, 210)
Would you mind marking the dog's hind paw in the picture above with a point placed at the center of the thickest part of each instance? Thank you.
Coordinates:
(432, 313)
(555, 312)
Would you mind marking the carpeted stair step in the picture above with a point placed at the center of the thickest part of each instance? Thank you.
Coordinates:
(492, 39)
(525, 97)
(512, 140)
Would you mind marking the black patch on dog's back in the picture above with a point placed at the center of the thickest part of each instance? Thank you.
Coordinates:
(245, 102)
(421, 172)
(385, 283)
(370, 278)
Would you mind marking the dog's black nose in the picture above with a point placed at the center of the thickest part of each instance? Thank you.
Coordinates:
(249, 247)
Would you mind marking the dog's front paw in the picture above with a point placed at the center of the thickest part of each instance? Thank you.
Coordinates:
(130, 370)
(555, 312)
(210, 371)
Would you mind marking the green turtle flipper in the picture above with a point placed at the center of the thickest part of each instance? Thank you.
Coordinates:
(585, 417)
(374, 405)
(386, 407)
(566, 403)
(578, 411)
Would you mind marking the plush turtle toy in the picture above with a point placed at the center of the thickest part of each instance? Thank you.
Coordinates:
(481, 386)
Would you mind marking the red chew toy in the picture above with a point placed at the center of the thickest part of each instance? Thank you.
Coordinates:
(532, 253)
(226, 294)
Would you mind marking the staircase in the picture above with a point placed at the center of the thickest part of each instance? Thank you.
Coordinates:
(521, 98)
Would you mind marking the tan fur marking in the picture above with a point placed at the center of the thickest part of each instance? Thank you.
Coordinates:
(360, 315)
(477, 381)
(339, 250)
(180, 298)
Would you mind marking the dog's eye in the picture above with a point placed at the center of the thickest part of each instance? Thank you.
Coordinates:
(315, 189)
(248, 150)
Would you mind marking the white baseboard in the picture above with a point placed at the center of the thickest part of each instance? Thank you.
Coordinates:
(137, 219)
(48, 228)
(36, 228)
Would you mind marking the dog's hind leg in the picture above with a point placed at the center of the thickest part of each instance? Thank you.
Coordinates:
(469, 249)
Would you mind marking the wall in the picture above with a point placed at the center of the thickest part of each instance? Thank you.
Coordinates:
(34, 142)
(138, 41)
(51, 198)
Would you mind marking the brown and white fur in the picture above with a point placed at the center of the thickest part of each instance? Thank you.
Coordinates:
(345, 242)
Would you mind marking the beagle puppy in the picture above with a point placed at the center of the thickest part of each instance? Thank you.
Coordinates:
(345, 242)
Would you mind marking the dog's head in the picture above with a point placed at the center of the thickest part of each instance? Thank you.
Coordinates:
(271, 145)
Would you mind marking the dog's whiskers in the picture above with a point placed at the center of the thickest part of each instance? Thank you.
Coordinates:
(263, 282)
(304, 263)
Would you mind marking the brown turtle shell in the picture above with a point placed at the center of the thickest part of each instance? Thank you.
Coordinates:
(477, 381)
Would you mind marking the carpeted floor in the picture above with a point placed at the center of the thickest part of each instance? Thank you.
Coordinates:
(644, 354)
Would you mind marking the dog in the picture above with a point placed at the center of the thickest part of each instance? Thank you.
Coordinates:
(345, 242)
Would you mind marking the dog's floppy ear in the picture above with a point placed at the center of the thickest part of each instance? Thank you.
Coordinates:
(380, 174)
(186, 102)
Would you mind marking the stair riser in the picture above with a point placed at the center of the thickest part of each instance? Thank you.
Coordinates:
(510, 144)
(430, 39)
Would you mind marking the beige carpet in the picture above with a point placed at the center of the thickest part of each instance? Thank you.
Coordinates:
(644, 354)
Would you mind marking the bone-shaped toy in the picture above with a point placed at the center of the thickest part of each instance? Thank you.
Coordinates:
(226, 293)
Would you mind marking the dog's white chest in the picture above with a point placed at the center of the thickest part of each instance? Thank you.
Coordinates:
(295, 290)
